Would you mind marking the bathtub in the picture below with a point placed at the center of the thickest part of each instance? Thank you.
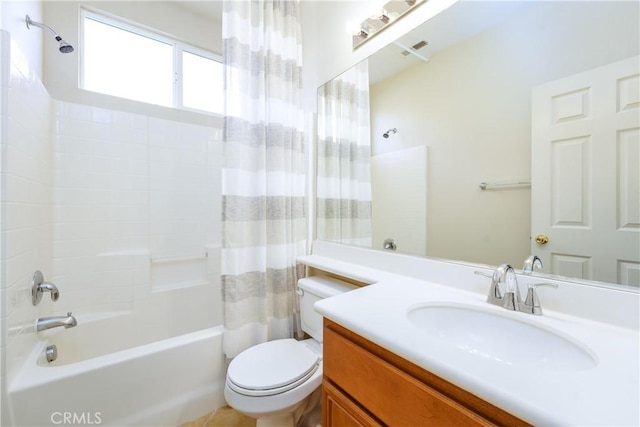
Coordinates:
(96, 380)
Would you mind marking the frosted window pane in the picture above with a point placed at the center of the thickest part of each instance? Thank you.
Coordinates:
(201, 83)
(121, 63)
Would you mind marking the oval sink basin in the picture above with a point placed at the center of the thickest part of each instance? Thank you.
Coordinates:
(503, 339)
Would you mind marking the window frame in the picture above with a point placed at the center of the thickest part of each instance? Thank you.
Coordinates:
(178, 47)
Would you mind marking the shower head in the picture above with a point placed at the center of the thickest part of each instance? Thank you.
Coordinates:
(389, 132)
(64, 46)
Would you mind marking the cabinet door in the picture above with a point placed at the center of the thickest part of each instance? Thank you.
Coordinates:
(340, 411)
(392, 395)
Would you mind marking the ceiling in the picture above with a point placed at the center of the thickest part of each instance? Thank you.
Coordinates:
(209, 9)
(461, 21)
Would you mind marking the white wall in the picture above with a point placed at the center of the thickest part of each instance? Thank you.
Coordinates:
(134, 196)
(28, 51)
(4, 93)
(471, 105)
(25, 151)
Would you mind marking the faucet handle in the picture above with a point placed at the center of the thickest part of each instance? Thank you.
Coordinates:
(531, 303)
(50, 287)
(495, 296)
(482, 273)
(39, 286)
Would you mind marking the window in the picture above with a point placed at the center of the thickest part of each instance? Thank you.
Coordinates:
(122, 60)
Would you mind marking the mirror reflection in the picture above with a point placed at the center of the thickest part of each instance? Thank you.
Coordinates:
(510, 94)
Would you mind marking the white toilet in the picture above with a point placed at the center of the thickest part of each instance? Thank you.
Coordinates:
(277, 382)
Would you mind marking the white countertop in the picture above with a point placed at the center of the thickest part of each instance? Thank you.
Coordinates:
(605, 395)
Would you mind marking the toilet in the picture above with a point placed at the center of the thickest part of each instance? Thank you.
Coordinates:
(278, 382)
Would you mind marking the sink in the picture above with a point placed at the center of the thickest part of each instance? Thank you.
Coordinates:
(502, 338)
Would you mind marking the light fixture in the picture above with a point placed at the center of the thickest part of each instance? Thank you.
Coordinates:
(391, 11)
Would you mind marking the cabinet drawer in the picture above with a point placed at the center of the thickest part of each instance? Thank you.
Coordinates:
(340, 411)
(389, 393)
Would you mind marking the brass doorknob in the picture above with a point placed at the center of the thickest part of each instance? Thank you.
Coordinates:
(541, 239)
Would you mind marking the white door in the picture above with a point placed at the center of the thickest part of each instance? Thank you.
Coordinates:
(585, 182)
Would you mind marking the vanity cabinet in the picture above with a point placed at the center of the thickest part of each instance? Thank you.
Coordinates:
(366, 385)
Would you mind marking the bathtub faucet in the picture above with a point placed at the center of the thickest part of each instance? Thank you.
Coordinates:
(44, 323)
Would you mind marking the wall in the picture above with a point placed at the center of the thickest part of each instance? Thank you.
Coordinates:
(136, 217)
(471, 105)
(25, 151)
(4, 93)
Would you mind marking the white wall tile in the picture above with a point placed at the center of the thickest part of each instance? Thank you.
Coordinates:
(27, 202)
(128, 184)
(90, 192)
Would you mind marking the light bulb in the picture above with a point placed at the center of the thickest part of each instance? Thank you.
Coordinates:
(353, 27)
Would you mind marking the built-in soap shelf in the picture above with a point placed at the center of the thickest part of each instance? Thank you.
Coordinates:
(179, 271)
(165, 272)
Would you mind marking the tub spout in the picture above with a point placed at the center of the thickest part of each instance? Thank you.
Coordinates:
(44, 323)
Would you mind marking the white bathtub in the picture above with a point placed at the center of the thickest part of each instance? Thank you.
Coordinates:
(97, 382)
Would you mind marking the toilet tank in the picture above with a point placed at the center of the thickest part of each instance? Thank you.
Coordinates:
(312, 289)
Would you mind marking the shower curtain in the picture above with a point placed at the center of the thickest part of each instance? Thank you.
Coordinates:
(263, 177)
(344, 159)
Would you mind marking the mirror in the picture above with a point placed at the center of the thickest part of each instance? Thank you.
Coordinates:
(448, 107)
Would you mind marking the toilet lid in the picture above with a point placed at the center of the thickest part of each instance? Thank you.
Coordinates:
(274, 366)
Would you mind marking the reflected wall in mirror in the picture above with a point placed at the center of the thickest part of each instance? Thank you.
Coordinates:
(462, 110)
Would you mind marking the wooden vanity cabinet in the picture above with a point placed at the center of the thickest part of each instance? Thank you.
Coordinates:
(366, 385)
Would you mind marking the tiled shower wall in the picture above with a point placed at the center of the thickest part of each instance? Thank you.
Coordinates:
(4, 89)
(121, 211)
(136, 216)
(26, 199)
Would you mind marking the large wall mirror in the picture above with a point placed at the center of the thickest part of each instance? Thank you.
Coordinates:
(540, 101)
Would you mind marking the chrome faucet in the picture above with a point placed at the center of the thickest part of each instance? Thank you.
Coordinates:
(530, 263)
(44, 323)
(511, 299)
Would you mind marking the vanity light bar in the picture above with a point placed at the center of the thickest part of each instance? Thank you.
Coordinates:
(392, 11)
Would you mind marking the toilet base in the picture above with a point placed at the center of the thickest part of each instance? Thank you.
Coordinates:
(294, 417)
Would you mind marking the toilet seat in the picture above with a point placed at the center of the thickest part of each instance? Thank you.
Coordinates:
(271, 368)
